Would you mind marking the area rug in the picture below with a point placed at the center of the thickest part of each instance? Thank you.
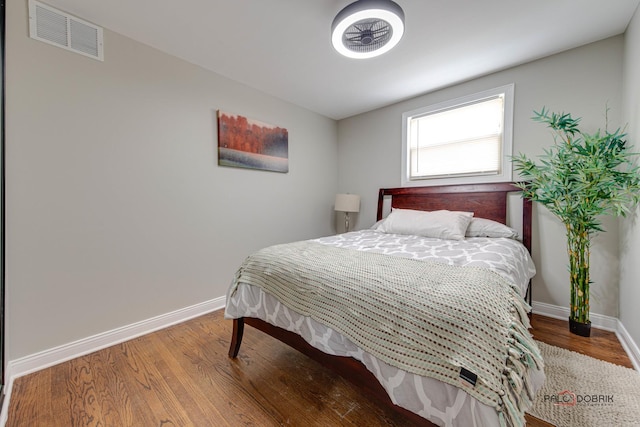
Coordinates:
(583, 391)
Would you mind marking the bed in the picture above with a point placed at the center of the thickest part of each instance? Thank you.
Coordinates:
(458, 382)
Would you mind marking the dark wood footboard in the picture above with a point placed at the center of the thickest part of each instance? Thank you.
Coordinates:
(348, 368)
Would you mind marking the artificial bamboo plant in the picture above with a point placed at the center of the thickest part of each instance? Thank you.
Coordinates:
(581, 177)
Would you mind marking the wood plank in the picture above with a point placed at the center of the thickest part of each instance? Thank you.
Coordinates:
(31, 408)
(182, 375)
(88, 392)
(150, 386)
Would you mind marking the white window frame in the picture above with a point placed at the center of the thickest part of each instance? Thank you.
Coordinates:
(506, 169)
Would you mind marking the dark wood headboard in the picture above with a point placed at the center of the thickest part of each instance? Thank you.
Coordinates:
(484, 200)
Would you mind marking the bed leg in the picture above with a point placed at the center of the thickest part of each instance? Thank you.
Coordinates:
(236, 337)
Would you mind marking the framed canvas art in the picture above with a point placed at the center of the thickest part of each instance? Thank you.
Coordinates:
(248, 143)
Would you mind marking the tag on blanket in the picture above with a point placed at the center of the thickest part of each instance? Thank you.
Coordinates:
(468, 378)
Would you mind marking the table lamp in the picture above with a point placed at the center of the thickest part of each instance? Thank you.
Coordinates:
(347, 203)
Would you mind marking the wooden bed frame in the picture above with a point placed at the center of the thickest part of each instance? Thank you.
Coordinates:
(485, 200)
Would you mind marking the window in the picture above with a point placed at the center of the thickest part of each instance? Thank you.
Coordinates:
(466, 140)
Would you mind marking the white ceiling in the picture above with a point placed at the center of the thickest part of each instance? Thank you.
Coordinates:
(283, 47)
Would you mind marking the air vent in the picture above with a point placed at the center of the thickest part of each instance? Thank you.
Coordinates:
(63, 30)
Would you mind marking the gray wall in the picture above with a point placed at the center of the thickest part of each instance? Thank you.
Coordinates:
(116, 208)
(630, 227)
(581, 81)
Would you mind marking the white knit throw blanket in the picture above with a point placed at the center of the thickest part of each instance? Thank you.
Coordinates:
(427, 318)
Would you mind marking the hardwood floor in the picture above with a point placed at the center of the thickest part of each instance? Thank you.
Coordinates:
(181, 376)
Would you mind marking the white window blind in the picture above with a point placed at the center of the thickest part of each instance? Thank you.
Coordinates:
(455, 140)
(464, 140)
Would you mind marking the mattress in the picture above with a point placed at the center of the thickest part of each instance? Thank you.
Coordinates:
(441, 403)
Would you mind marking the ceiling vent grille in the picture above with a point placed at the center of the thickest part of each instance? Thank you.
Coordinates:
(63, 30)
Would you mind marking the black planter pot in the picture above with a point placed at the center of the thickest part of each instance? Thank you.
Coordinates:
(578, 328)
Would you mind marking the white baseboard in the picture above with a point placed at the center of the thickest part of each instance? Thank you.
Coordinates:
(629, 346)
(600, 321)
(44, 359)
(607, 323)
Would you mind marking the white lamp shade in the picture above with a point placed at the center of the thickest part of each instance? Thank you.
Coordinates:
(347, 203)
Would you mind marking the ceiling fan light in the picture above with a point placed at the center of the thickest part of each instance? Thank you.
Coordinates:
(367, 28)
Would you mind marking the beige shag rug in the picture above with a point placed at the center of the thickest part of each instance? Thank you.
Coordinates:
(583, 391)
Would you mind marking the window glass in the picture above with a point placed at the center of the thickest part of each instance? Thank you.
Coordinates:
(460, 141)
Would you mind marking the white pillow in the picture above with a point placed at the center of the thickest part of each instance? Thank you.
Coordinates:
(482, 227)
(442, 224)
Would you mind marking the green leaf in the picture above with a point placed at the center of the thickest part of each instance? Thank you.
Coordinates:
(581, 176)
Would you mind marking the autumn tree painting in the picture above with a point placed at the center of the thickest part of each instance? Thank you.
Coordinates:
(248, 143)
